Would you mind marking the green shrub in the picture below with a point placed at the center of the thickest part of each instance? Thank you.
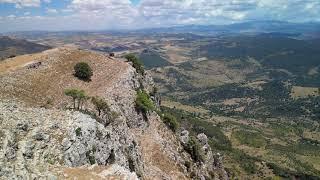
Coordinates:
(154, 91)
(143, 102)
(78, 131)
(194, 149)
(100, 104)
(83, 71)
(90, 156)
(137, 64)
(171, 122)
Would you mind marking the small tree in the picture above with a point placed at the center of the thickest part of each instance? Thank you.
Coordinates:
(73, 93)
(76, 95)
(82, 97)
(137, 64)
(170, 121)
(100, 104)
(194, 149)
(83, 71)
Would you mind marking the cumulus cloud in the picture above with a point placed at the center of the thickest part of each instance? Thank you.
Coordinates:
(109, 14)
(226, 11)
(23, 3)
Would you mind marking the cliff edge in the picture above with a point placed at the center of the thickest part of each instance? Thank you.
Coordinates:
(42, 137)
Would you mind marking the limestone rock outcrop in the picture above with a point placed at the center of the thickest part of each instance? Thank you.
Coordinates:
(41, 138)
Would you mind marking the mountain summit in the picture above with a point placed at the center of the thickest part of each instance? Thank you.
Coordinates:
(43, 137)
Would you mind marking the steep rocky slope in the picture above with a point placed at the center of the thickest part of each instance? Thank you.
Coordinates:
(41, 138)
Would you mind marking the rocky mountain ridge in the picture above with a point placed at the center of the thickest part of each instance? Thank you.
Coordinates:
(41, 138)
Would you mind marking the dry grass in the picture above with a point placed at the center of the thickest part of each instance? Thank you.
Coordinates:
(303, 92)
(177, 105)
(153, 143)
(15, 63)
(210, 73)
(94, 173)
(176, 54)
(47, 83)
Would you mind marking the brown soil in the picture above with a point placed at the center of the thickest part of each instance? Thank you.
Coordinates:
(47, 83)
(158, 164)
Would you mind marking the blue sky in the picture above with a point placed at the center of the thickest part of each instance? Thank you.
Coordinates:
(20, 15)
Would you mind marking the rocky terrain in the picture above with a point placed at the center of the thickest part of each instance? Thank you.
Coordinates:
(42, 138)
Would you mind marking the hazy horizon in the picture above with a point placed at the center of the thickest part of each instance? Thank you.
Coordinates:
(94, 15)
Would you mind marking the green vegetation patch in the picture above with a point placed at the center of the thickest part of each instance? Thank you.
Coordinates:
(281, 129)
(153, 59)
(136, 63)
(170, 121)
(194, 149)
(143, 102)
(78, 131)
(249, 138)
(83, 71)
(217, 139)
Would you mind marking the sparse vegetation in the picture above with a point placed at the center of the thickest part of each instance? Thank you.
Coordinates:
(90, 155)
(137, 64)
(253, 139)
(78, 97)
(194, 149)
(170, 121)
(143, 102)
(78, 131)
(105, 114)
(83, 71)
(152, 59)
(100, 104)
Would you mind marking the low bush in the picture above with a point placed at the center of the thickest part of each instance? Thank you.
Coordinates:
(100, 104)
(170, 121)
(83, 71)
(143, 102)
(194, 149)
(78, 131)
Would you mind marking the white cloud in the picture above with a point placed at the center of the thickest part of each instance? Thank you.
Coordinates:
(23, 3)
(11, 16)
(52, 11)
(110, 14)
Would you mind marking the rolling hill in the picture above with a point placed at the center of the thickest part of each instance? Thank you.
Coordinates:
(10, 47)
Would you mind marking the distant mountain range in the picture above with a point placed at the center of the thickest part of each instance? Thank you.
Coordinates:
(309, 29)
(236, 28)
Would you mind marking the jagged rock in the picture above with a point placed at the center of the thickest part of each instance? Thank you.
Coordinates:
(218, 158)
(10, 145)
(40, 136)
(27, 149)
(202, 139)
(184, 137)
(22, 126)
